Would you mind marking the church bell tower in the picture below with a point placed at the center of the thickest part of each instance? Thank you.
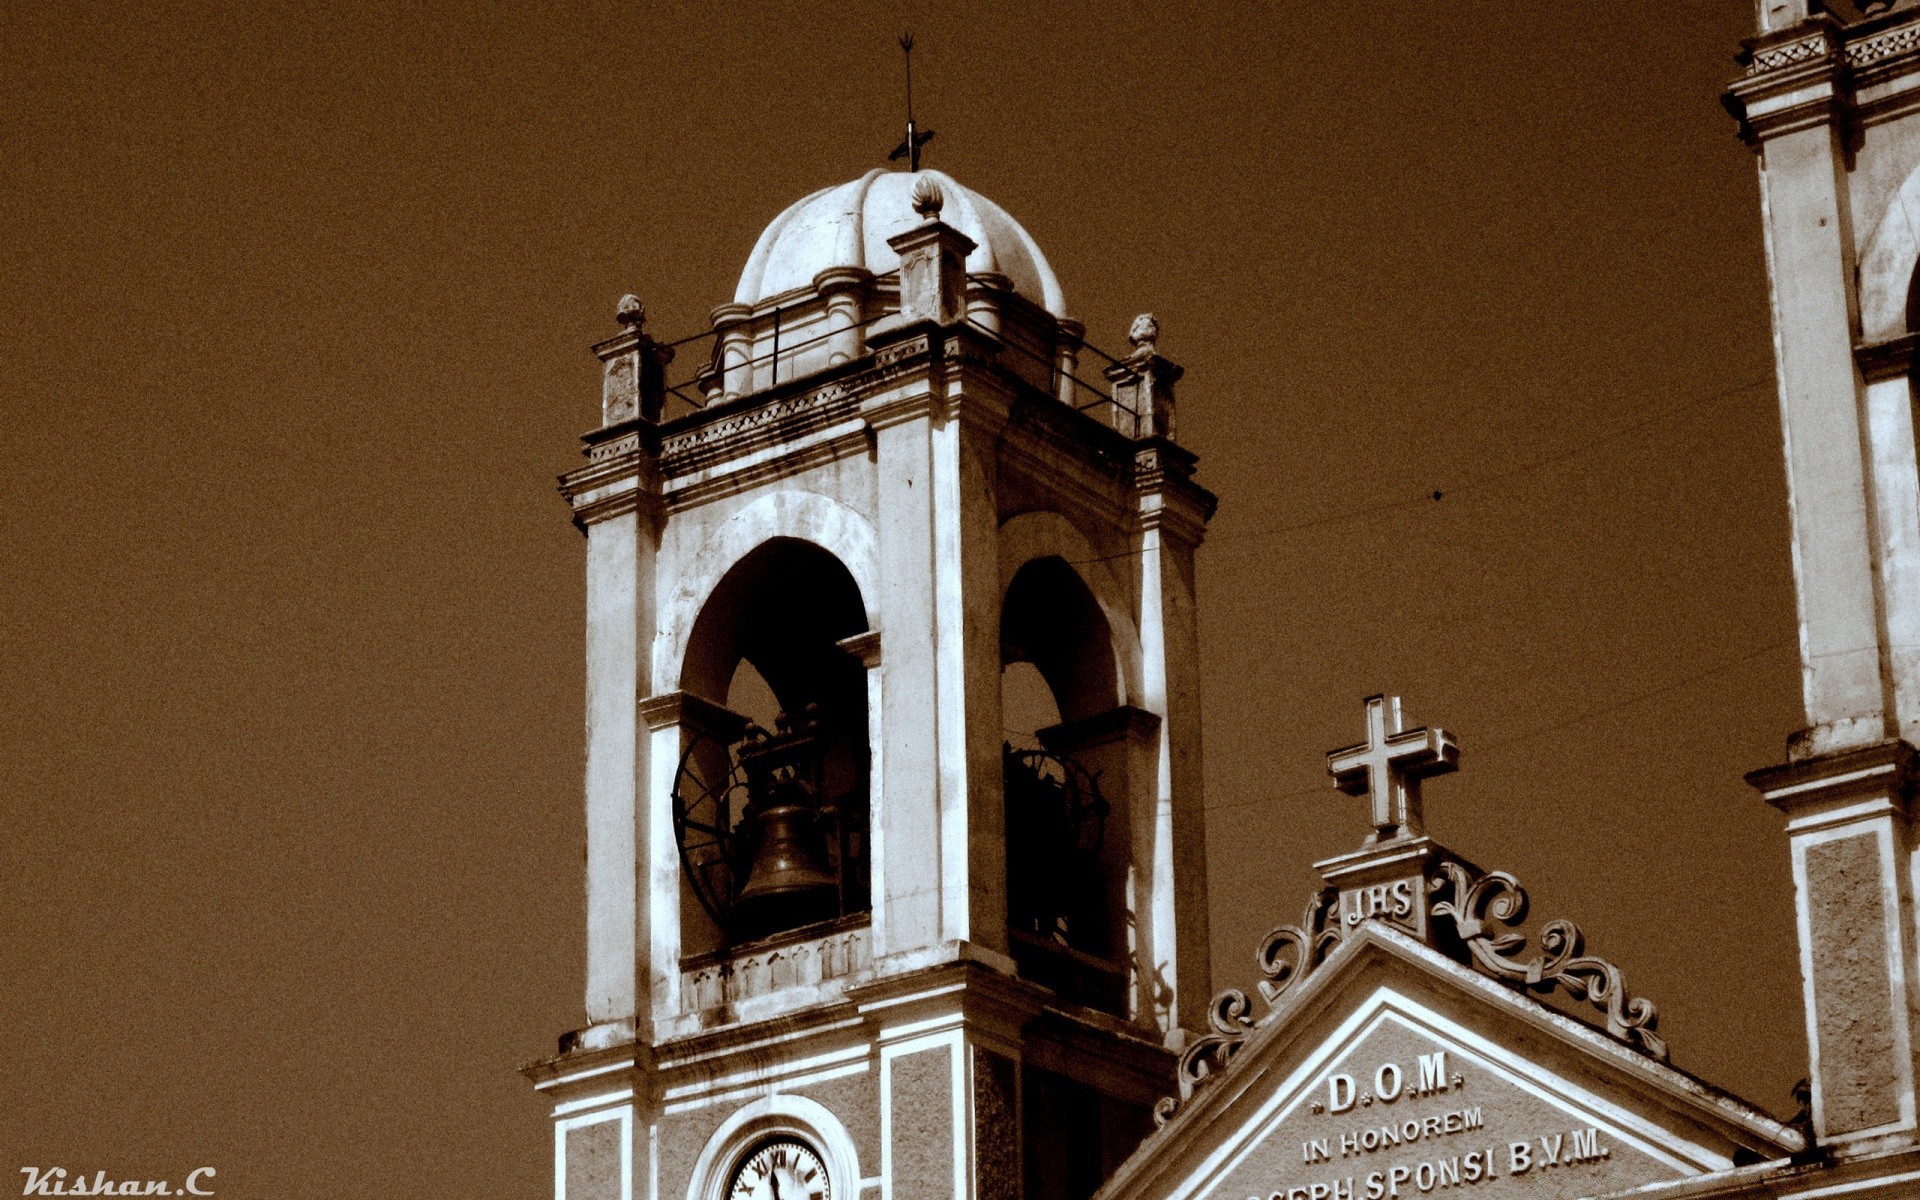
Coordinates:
(847, 939)
(1828, 103)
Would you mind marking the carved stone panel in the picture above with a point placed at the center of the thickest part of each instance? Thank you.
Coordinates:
(593, 1161)
(996, 1128)
(1858, 1068)
(921, 1100)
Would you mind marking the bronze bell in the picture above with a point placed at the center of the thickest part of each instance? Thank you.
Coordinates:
(790, 882)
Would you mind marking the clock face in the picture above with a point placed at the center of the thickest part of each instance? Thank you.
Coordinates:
(782, 1169)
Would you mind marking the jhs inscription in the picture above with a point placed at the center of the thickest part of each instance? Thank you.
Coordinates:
(1428, 1076)
(1381, 900)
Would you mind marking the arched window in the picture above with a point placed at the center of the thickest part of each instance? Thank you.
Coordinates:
(771, 794)
(1066, 834)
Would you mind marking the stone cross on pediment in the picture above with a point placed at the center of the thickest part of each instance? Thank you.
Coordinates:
(1389, 766)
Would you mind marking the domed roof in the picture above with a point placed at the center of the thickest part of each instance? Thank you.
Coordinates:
(848, 226)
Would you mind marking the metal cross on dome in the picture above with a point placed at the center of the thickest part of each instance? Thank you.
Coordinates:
(916, 137)
(1389, 766)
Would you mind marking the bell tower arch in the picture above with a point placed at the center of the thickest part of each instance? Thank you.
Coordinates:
(867, 928)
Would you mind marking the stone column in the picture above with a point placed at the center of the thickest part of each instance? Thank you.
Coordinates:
(937, 843)
(1895, 477)
(1849, 822)
(866, 649)
(615, 604)
(844, 288)
(735, 351)
(1066, 360)
(615, 501)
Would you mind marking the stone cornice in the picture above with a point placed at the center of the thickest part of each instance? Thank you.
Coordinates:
(685, 708)
(848, 439)
(1816, 71)
(1125, 723)
(1795, 80)
(1890, 359)
(1889, 768)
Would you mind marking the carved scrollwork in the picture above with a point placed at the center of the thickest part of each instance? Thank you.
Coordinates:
(1286, 955)
(1291, 952)
(1497, 899)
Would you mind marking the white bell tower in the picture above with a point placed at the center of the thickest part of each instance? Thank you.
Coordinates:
(851, 944)
(1827, 102)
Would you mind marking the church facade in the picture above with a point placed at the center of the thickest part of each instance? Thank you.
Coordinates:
(846, 941)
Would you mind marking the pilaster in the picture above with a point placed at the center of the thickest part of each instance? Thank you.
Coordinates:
(1793, 108)
(1849, 823)
(675, 722)
(1170, 519)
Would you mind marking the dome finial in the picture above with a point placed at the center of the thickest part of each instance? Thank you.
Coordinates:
(928, 199)
(1144, 332)
(631, 312)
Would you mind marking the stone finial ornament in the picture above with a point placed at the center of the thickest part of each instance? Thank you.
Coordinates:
(928, 199)
(630, 312)
(1142, 335)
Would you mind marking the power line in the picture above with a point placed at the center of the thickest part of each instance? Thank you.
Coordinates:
(1540, 731)
(1652, 409)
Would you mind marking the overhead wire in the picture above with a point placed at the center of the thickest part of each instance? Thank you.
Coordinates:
(1539, 731)
(1654, 410)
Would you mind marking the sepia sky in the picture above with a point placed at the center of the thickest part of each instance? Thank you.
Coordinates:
(296, 303)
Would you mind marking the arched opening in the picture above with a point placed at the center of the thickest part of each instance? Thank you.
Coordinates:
(1067, 839)
(1913, 300)
(1026, 705)
(770, 800)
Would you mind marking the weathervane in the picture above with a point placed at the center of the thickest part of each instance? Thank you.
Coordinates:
(910, 149)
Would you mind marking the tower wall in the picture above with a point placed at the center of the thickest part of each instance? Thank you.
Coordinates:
(926, 458)
(1831, 103)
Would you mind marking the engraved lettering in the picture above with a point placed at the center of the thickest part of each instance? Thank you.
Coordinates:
(1340, 1093)
(1387, 1092)
(1433, 1072)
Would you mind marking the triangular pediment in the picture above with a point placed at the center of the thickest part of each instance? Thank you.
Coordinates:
(1394, 1071)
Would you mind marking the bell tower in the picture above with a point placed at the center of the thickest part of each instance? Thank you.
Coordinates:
(843, 937)
(1826, 101)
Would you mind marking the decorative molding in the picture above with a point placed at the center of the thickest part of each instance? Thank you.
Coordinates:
(614, 449)
(1884, 46)
(728, 978)
(734, 433)
(1821, 44)
(1811, 48)
(780, 420)
(1288, 954)
(1498, 897)
(1474, 902)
